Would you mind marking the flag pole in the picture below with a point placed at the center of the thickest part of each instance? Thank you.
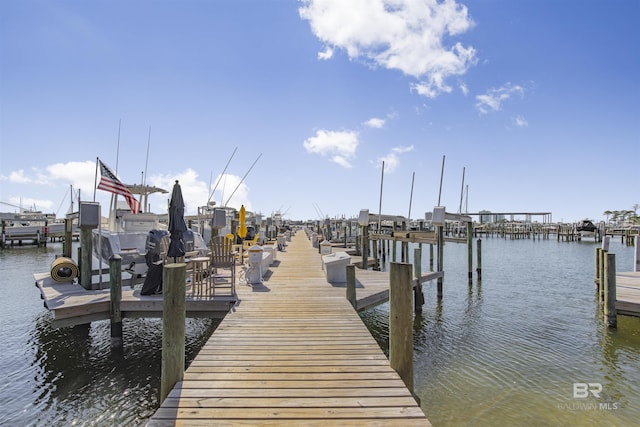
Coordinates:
(95, 181)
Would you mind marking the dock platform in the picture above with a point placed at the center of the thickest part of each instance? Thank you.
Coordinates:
(628, 293)
(293, 351)
(71, 304)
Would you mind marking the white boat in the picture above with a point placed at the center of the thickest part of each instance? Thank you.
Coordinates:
(26, 225)
(214, 220)
(586, 228)
(129, 235)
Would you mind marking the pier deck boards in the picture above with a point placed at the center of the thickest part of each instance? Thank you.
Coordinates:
(292, 352)
(628, 293)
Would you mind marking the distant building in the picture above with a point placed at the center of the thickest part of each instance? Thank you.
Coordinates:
(486, 217)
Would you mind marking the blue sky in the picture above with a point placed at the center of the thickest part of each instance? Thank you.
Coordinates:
(538, 101)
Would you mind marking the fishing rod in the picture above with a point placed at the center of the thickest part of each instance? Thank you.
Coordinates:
(441, 176)
(146, 163)
(242, 180)
(413, 177)
(221, 175)
(461, 191)
(317, 211)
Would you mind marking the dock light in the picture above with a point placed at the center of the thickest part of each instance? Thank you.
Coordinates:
(437, 218)
(363, 218)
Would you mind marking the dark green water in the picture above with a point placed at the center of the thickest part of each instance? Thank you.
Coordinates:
(506, 353)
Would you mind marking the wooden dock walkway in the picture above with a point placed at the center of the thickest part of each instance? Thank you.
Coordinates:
(292, 352)
(628, 293)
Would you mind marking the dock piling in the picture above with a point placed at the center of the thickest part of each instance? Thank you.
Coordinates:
(401, 322)
(470, 252)
(479, 260)
(115, 282)
(86, 242)
(418, 295)
(610, 314)
(173, 327)
(351, 285)
(636, 254)
(440, 258)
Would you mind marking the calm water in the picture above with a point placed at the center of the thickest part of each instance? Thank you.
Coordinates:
(505, 353)
(509, 351)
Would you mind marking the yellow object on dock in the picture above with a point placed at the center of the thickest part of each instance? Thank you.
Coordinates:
(64, 270)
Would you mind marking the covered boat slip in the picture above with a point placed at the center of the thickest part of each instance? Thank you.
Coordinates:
(292, 352)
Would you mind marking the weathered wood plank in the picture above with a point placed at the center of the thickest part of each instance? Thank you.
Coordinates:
(260, 413)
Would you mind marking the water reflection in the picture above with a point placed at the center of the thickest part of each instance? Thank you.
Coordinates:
(82, 380)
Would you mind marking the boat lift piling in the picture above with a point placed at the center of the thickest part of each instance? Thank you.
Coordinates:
(115, 282)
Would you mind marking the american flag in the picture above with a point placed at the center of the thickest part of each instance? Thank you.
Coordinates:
(109, 182)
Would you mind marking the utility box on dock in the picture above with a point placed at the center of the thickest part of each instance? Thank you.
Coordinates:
(254, 274)
(336, 266)
(325, 247)
(89, 217)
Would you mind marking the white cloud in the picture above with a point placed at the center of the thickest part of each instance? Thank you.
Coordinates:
(405, 35)
(81, 175)
(493, 99)
(339, 145)
(375, 122)
(464, 88)
(30, 203)
(520, 121)
(196, 192)
(19, 177)
(327, 53)
(392, 159)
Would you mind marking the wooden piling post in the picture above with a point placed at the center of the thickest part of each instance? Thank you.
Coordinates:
(602, 278)
(430, 256)
(66, 245)
(115, 287)
(470, 252)
(401, 322)
(418, 296)
(86, 243)
(636, 254)
(375, 255)
(479, 260)
(610, 314)
(351, 285)
(365, 246)
(440, 258)
(597, 271)
(173, 327)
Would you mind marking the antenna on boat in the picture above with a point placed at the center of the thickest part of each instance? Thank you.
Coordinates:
(242, 180)
(441, 175)
(221, 175)
(146, 162)
(118, 146)
(413, 177)
(380, 205)
(466, 199)
(317, 212)
(461, 192)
